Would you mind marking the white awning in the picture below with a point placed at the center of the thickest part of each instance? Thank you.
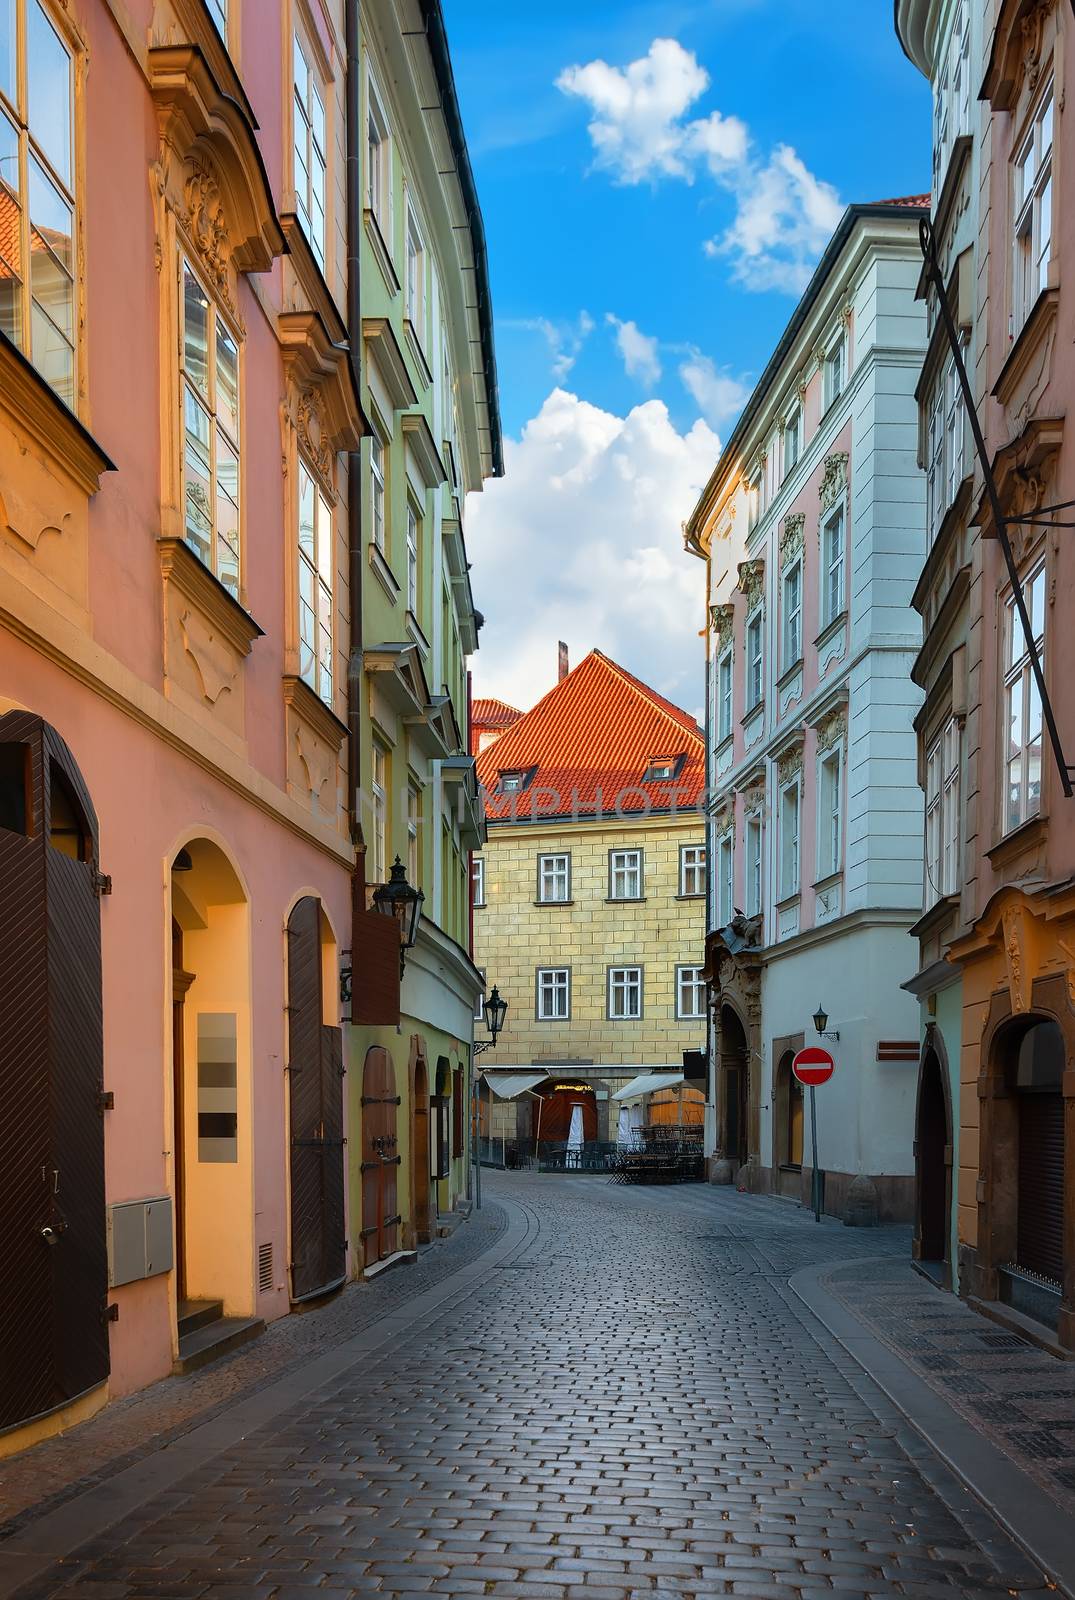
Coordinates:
(509, 1085)
(647, 1084)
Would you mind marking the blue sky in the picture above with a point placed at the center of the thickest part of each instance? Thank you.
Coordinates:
(610, 142)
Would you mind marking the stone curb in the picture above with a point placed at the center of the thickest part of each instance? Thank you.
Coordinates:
(30, 1552)
(1026, 1513)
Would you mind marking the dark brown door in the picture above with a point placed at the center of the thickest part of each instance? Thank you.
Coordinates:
(54, 1337)
(315, 1072)
(1040, 1226)
(931, 1143)
(380, 1157)
(181, 982)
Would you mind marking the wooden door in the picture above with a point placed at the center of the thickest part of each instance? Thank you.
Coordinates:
(181, 982)
(315, 1091)
(380, 1157)
(1040, 1221)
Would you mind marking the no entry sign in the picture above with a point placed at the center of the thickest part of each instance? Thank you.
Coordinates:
(813, 1065)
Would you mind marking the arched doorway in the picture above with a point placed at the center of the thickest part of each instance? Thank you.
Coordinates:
(933, 1165)
(789, 1116)
(54, 1342)
(380, 1157)
(212, 1135)
(420, 1152)
(735, 1087)
(442, 1148)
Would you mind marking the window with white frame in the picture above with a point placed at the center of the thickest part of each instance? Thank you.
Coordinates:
(625, 875)
(792, 593)
(835, 371)
(479, 1004)
(315, 585)
(725, 878)
(690, 993)
(755, 658)
(829, 813)
(218, 10)
(554, 878)
(691, 869)
(416, 276)
(792, 438)
(946, 441)
(1033, 210)
(553, 994)
(753, 883)
(413, 549)
(378, 164)
(477, 881)
(310, 145)
(37, 192)
(943, 759)
(724, 695)
(1022, 704)
(952, 95)
(378, 486)
(832, 574)
(209, 357)
(379, 787)
(789, 840)
(624, 993)
(754, 500)
(414, 835)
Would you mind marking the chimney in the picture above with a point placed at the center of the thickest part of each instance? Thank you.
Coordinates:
(563, 667)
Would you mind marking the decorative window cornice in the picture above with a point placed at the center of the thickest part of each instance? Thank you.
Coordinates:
(791, 537)
(1022, 40)
(831, 730)
(321, 400)
(833, 479)
(722, 621)
(752, 581)
(789, 763)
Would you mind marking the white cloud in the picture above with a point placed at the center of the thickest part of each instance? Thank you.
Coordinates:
(640, 129)
(582, 540)
(719, 396)
(564, 339)
(638, 349)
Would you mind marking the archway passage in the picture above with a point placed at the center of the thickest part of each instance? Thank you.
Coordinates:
(52, 1193)
(380, 1157)
(420, 1152)
(933, 1138)
(735, 1070)
(1038, 1070)
(315, 1085)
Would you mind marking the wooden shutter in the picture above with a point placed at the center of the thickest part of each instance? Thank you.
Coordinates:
(315, 1083)
(1040, 1227)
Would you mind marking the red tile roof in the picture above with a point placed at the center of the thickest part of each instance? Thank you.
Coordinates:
(914, 202)
(493, 714)
(586, 746)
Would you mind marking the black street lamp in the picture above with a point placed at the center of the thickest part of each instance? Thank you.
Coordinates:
(494, 1010)
(398, 899)
(821, 1023)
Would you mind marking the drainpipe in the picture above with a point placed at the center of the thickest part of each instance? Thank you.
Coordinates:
(355, 671)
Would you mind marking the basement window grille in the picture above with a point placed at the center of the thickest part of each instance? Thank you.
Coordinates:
(265, 1272)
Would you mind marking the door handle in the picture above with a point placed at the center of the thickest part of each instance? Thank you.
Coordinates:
(51, 1235)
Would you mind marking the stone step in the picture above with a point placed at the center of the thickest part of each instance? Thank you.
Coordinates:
(196, 1313)
(213, 1340)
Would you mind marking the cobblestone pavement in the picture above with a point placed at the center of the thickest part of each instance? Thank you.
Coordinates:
(1016, 1394)
(134, 1427)
(635, 1406)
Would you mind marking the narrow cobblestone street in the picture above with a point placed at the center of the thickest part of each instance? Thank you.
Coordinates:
(622, 1397)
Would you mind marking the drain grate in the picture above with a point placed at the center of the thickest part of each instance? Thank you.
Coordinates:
(1003, 1341)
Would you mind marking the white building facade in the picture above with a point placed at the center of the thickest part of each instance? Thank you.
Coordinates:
(812, 529)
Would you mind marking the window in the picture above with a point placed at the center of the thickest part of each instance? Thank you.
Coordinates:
(413, 547)
(315, 586)
(1033, 211)
(724, 696)
(625, 875)
(624, 993)
(477, 880)
(832, 577)
(946, 441)
(690, 993)
(37, 193)
(309, 152)
(951, 97)
(554, 878)
(378, 454)
(835, 374)
(210, 377)
(416, 280)
(692, 869)
(753, 865)
(725, 869)
(789, 841)
(379, 779)
(414, 834)
(754, 500)
(792, 438)
(479, 1004)
(755, 654)
(942, 812)
(218, 10)
(378, 164)
(793, 614)
(1022, 705)
(662, 769)
(553, 994)
(512, 782)
(829, 820)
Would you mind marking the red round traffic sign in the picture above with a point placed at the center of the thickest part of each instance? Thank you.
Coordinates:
(813, 1065)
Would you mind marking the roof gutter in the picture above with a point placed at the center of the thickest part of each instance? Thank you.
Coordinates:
(833, 250)
(437, 38)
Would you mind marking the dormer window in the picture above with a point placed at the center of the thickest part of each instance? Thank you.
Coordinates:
(662, 769)
(513, 782)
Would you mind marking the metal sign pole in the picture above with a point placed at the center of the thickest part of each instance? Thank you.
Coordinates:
(815, 1176)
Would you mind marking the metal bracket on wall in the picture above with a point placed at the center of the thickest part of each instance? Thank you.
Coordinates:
(106, 1100)
(933, 272)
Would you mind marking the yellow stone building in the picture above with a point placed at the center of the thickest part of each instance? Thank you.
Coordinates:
(589, 901)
